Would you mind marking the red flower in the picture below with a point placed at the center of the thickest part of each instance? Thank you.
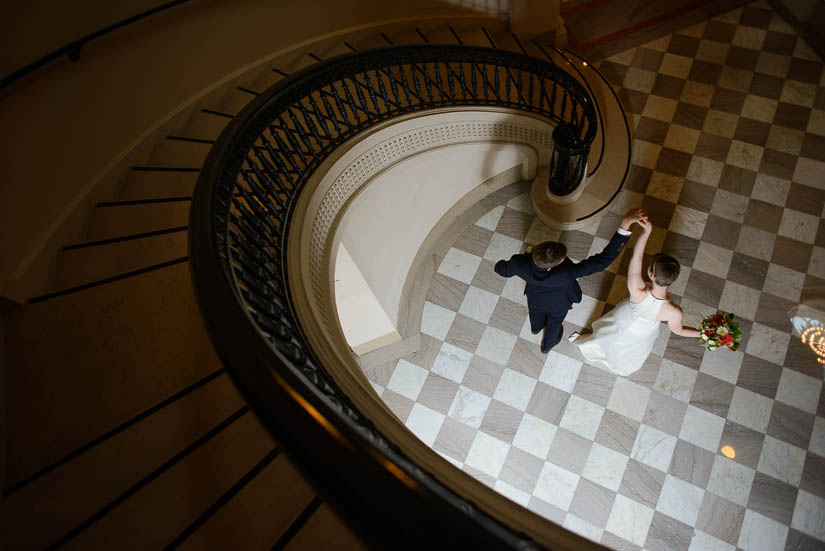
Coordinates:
(726, 340)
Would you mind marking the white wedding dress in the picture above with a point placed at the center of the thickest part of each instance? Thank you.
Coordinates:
(623, 338)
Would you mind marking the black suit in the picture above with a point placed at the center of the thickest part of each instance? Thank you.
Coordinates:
(550, 294)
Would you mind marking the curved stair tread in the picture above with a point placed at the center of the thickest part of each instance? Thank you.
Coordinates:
(475, 37)
(442, 35)
(171, 152)
(158, 185)
(176, 497)
(266, 79)
(187, 489)
(80, 266)
(238, 99)
(61, 499)
(259, 514)
(505, 40)
(325, 530)
(205, 124)
(407, 36)
(119, 347)
(129, 219)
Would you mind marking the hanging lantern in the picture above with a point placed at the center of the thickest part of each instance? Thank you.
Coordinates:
(568, 160)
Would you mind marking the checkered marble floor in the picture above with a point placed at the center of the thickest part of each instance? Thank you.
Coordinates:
(729, 162)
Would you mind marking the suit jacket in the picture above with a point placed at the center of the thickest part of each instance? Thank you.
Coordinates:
(556, 291)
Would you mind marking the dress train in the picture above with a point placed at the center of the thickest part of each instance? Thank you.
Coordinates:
(623, 338)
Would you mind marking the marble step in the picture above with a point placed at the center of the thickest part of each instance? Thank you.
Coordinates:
(266, 79)
(471, 31)
(158, 185)
(505, 41)
(288, 63)
(78, 266)
(406, 36)
(129, 219)
(80, 364)
(49, 507)
(442, 35)
(325, 530)
(374, 39)
(294, 61)
(475, 37)
(123, 348)
(534, 48)
(207, 126)
(236, 100)
(160, 511)
(277, 496)
(180, 153)
(398, 34)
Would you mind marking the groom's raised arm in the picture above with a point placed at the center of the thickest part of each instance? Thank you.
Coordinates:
(602, 260)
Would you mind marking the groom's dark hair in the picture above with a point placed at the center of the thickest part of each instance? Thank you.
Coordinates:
(665, 269)
(549, 254)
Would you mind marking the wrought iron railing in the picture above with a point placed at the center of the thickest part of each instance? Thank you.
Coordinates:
(240, 226)
(627, 136)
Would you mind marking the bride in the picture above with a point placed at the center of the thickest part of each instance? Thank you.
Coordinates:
(623, 338)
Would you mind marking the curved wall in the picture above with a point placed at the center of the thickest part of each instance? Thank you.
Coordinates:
(363, 320)
(349, 170)
(387, 223)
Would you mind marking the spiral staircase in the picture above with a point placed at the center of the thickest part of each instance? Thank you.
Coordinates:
(154, 446)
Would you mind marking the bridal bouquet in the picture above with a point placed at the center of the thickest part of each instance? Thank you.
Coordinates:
(720, 331)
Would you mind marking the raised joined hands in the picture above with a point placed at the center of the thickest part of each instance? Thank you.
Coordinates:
(646, 226)
(634, 216)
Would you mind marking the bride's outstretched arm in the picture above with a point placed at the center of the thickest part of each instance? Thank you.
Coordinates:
(634, 270)
(675, 324)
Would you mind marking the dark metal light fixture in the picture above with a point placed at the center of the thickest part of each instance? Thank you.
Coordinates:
(568, 160)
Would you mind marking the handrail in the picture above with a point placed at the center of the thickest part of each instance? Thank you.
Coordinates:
(240, 222)
(598, 108)
(627, 134)
(73, 48)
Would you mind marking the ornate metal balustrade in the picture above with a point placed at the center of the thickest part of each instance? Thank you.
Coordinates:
(240, 227)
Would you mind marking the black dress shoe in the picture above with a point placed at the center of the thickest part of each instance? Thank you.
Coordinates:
(546, 349)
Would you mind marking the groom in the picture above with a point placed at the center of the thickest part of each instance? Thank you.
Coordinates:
(551, 277)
